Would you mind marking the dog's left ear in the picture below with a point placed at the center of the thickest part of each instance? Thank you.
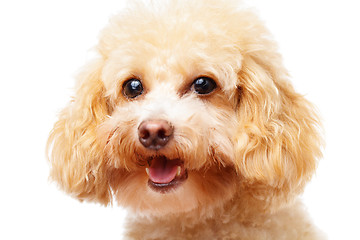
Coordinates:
(278, 141)
(76, 157)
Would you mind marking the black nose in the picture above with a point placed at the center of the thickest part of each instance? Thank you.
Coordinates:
(155, 134)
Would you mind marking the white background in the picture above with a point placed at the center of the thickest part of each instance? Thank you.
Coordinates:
(43, 44)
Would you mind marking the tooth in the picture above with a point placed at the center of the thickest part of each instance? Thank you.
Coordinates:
(147, 171)
(178, 171)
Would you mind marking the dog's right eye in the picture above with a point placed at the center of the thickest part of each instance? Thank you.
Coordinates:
(204, 85)
(132, 88)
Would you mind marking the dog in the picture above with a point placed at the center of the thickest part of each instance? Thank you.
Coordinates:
(187, 118)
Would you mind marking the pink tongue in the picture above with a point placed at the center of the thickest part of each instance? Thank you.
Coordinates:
(163, 170)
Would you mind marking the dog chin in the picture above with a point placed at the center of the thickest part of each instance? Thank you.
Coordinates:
(165, 186)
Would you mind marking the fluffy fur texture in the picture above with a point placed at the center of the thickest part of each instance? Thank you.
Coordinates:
(249, 147)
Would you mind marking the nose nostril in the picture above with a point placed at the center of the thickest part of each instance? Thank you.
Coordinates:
(161, 134)
(145, 134)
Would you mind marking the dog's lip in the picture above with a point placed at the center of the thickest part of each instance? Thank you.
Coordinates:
(168, 187)
(165, 174)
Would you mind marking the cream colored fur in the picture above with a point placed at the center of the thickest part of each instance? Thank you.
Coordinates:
(249, 147)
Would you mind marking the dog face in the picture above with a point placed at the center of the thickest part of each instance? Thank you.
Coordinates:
(185, 111)
(174, 118)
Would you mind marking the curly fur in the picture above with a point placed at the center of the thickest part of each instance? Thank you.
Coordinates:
(249, 147)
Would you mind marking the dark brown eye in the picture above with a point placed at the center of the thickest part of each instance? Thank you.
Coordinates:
(204, 85)
(132, 88)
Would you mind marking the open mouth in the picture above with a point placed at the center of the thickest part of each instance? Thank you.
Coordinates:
(165, 174)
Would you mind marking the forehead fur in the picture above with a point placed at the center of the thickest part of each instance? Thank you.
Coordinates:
(169, 24)
(163, 42)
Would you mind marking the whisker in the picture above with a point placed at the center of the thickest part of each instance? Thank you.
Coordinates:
(111, 135)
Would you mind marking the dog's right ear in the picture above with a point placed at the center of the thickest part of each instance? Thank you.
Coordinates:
(76, 158)
(279, 140)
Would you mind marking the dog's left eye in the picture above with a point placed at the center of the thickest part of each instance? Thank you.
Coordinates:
(204, 85)
(132, 88)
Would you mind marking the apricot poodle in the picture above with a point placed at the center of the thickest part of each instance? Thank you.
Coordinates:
(188, 119)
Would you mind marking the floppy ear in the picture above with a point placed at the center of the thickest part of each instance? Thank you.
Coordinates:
(278, 141)
(77, 161)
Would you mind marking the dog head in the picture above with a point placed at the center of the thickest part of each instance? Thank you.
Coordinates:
(187, 107)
